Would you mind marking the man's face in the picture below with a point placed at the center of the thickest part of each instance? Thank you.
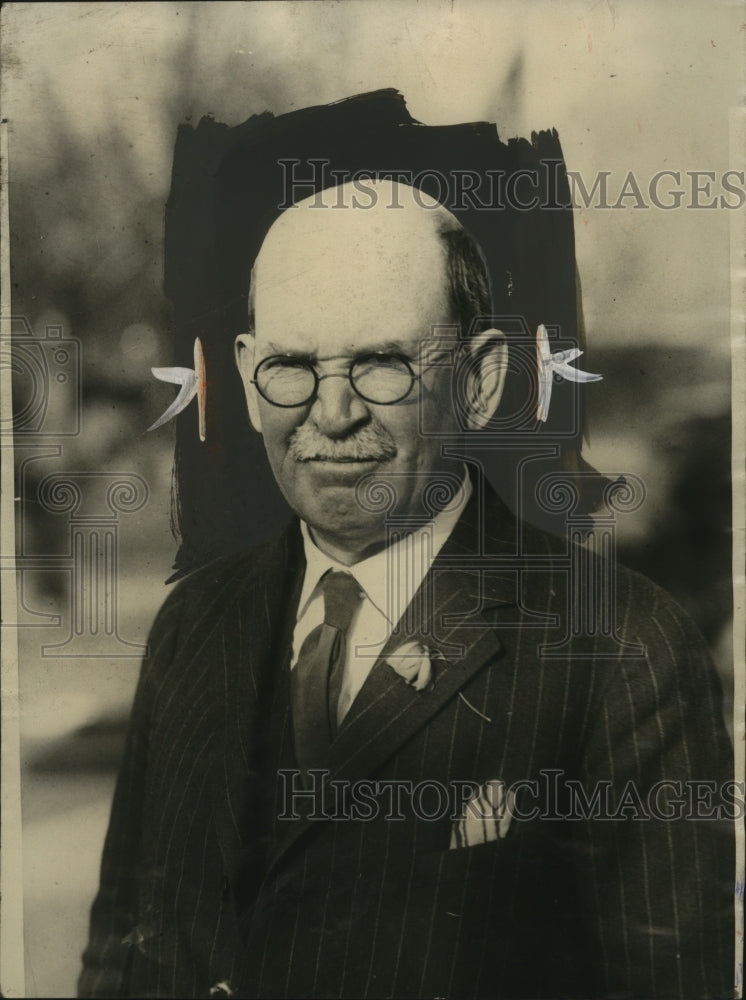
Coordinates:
(332, 285)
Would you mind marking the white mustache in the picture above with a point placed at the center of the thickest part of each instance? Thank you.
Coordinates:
(371, 443)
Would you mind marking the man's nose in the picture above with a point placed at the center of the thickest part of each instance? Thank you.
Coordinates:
(337, 408)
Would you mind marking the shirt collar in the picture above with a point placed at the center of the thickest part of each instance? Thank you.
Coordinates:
(414, 551)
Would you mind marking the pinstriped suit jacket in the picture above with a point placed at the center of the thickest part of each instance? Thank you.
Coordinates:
(208, 888)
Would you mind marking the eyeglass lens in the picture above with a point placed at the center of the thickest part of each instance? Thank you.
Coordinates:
(292, 382)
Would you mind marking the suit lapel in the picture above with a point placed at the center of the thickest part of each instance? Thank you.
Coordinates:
(248, 655)
(454, 614)
(389, 711)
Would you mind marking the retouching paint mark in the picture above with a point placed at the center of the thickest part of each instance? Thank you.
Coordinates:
(192, 382)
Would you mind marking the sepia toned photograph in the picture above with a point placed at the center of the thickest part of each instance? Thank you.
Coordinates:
(373, 391)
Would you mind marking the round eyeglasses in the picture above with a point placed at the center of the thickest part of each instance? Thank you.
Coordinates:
(377, 378)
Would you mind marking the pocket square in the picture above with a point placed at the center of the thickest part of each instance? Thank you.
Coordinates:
(486, 816)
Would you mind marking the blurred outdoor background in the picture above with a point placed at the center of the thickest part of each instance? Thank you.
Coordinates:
(94, 93)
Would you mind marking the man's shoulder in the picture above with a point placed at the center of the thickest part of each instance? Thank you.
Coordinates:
(587, 569)
(227, 577)
(552, 566)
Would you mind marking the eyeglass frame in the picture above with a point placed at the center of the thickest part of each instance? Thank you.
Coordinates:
(311, 366)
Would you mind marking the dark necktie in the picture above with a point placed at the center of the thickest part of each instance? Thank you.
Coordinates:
(317, 676)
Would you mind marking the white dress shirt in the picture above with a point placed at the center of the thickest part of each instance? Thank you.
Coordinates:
(388, 581)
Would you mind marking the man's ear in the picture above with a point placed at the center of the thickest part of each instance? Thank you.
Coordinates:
(245, 348)
(485, 377)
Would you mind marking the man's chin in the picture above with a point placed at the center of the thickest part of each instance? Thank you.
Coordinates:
(336, 494)
(335, 505)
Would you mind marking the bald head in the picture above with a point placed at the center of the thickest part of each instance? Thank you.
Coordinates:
(357, 255)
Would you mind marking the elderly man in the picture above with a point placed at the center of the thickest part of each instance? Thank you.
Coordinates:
(352, 770)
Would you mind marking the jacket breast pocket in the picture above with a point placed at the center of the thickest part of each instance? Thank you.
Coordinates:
(461, 865)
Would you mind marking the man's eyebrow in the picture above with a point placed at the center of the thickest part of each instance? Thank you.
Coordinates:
(386, 347)
(381, 347)
(414, 350)
(286, 351)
